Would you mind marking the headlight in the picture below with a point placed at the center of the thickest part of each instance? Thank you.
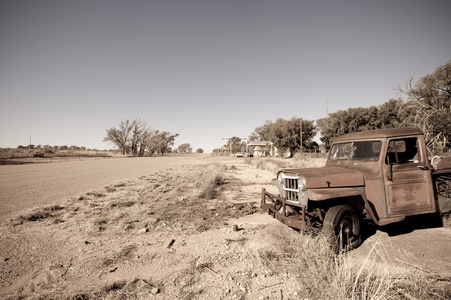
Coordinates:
(301, 184)
(280, 177)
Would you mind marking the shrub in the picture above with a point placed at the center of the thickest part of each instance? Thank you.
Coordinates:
(209, 179)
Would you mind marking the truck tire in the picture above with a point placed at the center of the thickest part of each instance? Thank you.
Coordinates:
(344, 222)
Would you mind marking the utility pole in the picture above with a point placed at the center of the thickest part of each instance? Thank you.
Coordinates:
(29, 144)
(301, 133)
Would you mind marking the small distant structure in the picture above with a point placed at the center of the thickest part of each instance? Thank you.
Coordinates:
(223, 151)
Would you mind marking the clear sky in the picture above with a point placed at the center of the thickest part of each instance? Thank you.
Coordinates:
(205, 69)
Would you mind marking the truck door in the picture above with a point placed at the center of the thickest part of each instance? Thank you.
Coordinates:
(408, 180)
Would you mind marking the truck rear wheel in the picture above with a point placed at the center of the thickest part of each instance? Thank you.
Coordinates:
(344, 222)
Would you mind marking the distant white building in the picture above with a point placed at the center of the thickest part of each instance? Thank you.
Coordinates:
(262, 148)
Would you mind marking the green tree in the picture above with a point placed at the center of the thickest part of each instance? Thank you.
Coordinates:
(346, 121)
(160, 142)
(391, 114)
(237, 144)
(144, 142)
(120, 136)
(200, 150)
(137, 138)
(430, 101)
(285, 134)
(185, 148)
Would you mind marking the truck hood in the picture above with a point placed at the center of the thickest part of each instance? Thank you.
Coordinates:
(332, 177)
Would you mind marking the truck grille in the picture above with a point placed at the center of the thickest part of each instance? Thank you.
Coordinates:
(290, 186)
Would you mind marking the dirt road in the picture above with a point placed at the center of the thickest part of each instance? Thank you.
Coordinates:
(27, 186)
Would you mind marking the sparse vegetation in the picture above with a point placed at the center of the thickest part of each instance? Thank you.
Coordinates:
(320, 272)
(274, 164)
(23, 155)
(136, 138)
(173, 228)
(208, 181)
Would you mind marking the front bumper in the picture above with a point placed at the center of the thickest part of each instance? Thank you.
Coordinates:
(277, 207)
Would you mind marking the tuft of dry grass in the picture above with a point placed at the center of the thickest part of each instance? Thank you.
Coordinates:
(208, 181)
(446, 220)
(38, 214)
(119, 289)
(124, 253)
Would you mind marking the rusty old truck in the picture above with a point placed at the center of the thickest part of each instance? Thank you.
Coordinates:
(382, 176)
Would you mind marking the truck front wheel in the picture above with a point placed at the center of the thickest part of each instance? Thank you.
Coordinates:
(344, 222)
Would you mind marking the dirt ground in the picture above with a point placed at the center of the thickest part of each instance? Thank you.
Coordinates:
(155, 238)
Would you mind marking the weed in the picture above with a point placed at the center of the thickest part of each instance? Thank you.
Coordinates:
(38, 214)
(119, 204)
(248, 160)
(117, 285)
(446, 220)
(96, 194)
(80, 296)
(124, 253)
(110, 189)
(209, 179)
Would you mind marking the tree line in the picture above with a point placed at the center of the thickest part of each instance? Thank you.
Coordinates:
(427, 106)
(135, 137)
(56, 147)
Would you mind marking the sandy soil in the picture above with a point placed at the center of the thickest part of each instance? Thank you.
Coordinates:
(151, 238)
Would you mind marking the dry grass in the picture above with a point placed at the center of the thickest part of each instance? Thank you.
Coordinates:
(25, 155)
(446, 219)
(128, 207)
(274, 164)
(321, 274)
(208, 181)
(120, 289)
(38, 214)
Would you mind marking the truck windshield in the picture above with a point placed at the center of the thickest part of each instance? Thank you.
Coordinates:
(366, 150)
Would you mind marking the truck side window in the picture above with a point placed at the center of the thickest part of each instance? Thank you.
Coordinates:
(402, 151)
